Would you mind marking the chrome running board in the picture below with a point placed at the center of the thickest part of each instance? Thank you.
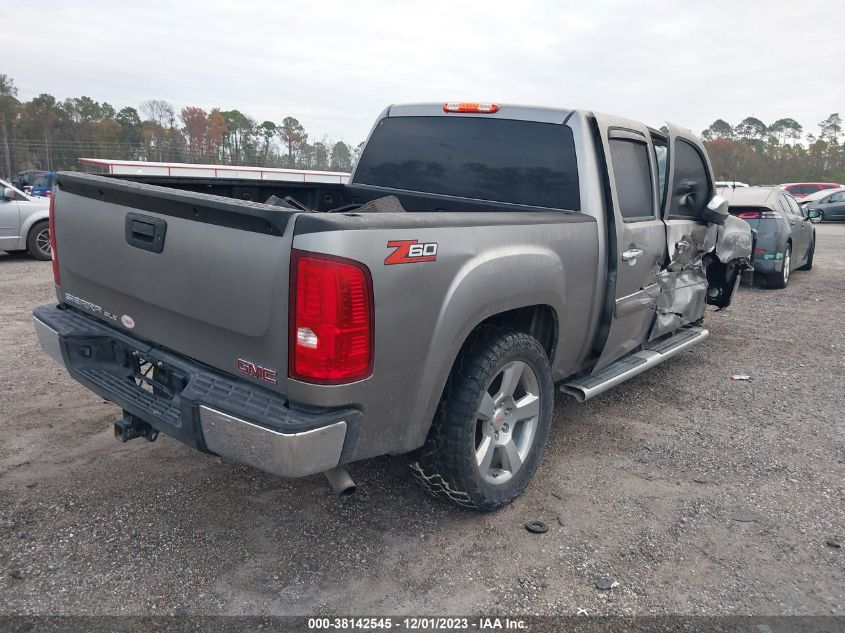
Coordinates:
(586, 387)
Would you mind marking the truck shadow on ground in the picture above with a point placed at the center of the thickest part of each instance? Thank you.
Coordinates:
(18, 257)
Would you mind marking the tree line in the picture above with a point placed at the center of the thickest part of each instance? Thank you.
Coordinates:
(761, 154)
(51, 134)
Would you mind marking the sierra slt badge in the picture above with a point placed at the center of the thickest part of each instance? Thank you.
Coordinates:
(410, 252)
(91, 307)
(255, 371)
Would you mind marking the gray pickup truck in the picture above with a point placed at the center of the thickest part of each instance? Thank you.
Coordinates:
(479, 255)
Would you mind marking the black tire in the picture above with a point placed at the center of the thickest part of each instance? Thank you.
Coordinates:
(447, 464)
(810, 252)
(781, 279)
(34, 241)
(818, 219)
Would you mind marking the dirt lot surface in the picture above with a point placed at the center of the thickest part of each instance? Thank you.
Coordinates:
(697, 494)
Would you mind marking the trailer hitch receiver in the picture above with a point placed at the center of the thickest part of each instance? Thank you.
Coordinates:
(131, 427)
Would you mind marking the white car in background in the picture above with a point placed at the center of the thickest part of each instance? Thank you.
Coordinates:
(721, 184)
(24, 223)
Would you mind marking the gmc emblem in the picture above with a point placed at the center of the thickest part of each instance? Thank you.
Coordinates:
(255, 371)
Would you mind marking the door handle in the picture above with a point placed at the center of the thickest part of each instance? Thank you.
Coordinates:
(632, 254)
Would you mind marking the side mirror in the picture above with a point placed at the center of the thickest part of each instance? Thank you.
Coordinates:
(716, 211)
(813, 214)
(8, 193)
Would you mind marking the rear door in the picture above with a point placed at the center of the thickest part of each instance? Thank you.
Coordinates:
(10, 222)
(639, 234)
(802, 230)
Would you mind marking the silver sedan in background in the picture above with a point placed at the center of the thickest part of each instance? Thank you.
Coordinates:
(24, 222)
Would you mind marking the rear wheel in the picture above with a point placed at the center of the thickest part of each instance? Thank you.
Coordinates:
(38, 241)
(781, 279)
(492, 424)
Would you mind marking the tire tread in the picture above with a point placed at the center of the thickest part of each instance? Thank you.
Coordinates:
(443, 465)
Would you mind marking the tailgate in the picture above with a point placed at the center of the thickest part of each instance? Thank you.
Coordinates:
(201, 275)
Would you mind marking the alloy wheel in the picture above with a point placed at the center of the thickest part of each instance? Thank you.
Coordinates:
(42, 242)
(506, 422)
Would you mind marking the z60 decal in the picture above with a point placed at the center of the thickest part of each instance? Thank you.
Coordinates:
(410, 252)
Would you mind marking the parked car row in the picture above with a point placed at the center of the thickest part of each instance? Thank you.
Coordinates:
(800, 190)
(38, 183)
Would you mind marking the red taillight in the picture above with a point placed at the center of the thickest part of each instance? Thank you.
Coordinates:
(756, 214)
(482, 108)
(55, 255)
(331, 319)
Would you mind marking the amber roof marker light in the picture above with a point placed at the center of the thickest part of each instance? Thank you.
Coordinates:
(480, 108)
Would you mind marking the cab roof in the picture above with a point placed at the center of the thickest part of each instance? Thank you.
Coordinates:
(505, 111)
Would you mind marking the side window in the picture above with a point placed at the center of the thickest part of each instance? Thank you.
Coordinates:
(632, 173)
(691, 189)
(796, 210)
(783, 206)
(837, 197)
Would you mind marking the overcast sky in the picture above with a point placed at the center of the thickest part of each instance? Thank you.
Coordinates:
(335, 66)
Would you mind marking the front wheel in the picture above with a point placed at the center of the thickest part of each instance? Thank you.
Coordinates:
(492, 424)
(818, 219)
(38, 241)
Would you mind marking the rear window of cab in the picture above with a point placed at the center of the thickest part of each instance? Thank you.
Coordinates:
(499, 160)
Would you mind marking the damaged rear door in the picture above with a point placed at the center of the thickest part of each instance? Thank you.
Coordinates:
(637, 236)
(705, 250)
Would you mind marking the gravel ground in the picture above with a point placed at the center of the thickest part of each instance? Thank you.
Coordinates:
(697, 494)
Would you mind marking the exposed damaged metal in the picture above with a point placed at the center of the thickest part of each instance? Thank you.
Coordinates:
(683, 283)
(705, 265)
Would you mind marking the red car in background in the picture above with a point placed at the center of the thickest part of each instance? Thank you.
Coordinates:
(801, 189)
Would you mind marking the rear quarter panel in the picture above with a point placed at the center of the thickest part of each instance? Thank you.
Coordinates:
(486, 263)
(30, 213)
(772, 236)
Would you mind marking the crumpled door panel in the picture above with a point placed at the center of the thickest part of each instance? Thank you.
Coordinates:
(704, 268)
(683, 283)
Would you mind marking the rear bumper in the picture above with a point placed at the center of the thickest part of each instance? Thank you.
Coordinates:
(768, 266)
(199, 406)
